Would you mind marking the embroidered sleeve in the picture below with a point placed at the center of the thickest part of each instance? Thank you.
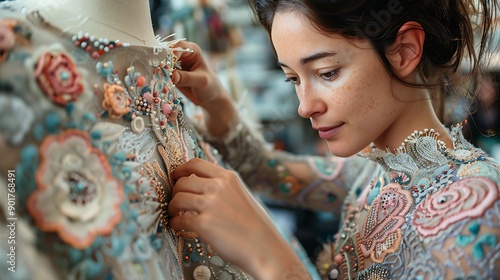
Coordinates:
(319, 183)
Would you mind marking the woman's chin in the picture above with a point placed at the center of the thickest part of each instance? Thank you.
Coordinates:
(342, 151)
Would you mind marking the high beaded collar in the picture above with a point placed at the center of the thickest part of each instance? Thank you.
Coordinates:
(422, 150)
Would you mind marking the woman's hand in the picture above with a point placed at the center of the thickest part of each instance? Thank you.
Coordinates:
(213, 203)
(196, 79)
(201, 85)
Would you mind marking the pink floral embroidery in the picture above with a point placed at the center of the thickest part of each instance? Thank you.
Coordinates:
(115, 101)
(467, 198)
(77, 197)
(58, 78)
(384, 221)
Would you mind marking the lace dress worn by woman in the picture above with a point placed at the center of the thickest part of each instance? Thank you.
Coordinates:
(421, 212)
(91, 130)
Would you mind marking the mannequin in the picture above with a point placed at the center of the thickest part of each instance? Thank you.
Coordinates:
(124, 20)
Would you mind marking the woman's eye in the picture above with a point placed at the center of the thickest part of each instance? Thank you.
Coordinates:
(328, 76)
(293, 80)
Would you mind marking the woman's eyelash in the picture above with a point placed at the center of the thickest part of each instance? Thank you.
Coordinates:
(328, 76)
(291, 80)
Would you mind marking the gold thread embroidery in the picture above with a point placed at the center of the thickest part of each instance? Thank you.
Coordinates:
(162, 174)
(361, 257)
(389, 246)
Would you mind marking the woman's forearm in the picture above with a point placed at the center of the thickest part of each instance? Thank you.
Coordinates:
(220, 116)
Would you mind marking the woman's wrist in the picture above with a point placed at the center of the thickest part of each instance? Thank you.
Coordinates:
(220, 116)
(276, 260)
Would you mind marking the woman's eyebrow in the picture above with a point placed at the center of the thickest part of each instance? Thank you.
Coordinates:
(311, 58)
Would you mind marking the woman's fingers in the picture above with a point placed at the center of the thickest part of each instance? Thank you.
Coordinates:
(187, 45)
(196, 185)
(194, 79)
(190, 58)
(187, 202)
(200, 168)
(185, 222)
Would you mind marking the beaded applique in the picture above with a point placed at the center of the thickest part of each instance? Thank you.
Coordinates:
(381, 234)
(375, 272)
(464, 152)
(420, 150)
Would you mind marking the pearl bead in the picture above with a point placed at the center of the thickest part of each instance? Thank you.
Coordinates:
(338, 259)
(202, 272)
(334, 274)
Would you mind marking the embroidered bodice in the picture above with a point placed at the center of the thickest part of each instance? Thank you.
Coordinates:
(432, 213)
(423, 212)
(91, 130)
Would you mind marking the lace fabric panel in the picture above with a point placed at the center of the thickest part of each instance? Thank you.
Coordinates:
(141, 145)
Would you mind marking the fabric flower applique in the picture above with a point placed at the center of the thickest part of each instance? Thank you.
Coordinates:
(76, 194)
(381, 233)
(57, 76)
(7, 39)
(467, 198)
(116, 101)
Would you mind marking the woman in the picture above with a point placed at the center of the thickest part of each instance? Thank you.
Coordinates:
(366, 74)
(90, 130)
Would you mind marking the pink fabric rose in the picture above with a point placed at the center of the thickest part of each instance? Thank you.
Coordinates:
(58, 78)
(467, 198)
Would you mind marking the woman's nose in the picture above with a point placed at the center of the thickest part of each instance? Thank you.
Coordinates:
(310, 103)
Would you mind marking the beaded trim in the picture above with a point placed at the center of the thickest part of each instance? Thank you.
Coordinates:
(420, 150)
(416, 135)
(96, 46)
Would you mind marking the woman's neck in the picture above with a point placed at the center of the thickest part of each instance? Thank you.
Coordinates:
(417, 114)
(125, 20)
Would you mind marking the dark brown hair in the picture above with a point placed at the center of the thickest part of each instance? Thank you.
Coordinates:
(448, 26)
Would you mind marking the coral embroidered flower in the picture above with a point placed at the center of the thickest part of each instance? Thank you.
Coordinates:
(381, 233)
(7, 40)
(116, 101)
(76, 195)
(467, 198)
(57, 76)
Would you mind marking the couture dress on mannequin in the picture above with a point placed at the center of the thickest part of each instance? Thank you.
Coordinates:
(90, 132)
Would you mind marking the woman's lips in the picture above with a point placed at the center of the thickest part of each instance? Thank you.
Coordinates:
(329, 132)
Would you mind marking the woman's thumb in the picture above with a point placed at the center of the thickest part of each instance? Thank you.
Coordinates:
(177, 78)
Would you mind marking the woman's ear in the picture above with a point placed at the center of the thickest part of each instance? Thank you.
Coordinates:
(405, 53)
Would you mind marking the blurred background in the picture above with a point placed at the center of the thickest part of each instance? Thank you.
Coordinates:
(239, 50)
